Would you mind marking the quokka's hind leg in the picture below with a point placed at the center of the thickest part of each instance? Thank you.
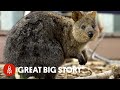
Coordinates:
(53, 58)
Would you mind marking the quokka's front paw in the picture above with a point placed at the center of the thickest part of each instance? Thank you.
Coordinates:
(81, 59)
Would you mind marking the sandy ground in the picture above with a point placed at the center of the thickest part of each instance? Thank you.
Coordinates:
(92, 67)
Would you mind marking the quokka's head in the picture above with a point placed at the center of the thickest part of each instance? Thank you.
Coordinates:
(85, 26)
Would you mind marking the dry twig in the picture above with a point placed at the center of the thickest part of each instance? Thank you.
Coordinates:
(115, 72)
(97, 44)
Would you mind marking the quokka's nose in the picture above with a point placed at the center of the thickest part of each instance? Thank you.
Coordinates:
(90, 34)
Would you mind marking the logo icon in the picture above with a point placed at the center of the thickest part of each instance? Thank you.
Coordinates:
(9, 69)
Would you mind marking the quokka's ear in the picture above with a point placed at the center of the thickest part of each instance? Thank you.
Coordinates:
(76, 15)
(92, 14)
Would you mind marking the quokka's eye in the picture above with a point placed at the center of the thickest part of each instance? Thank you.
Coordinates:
(93, 26)
(83, 26)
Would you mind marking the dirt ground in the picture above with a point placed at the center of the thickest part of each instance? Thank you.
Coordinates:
(92, 67)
